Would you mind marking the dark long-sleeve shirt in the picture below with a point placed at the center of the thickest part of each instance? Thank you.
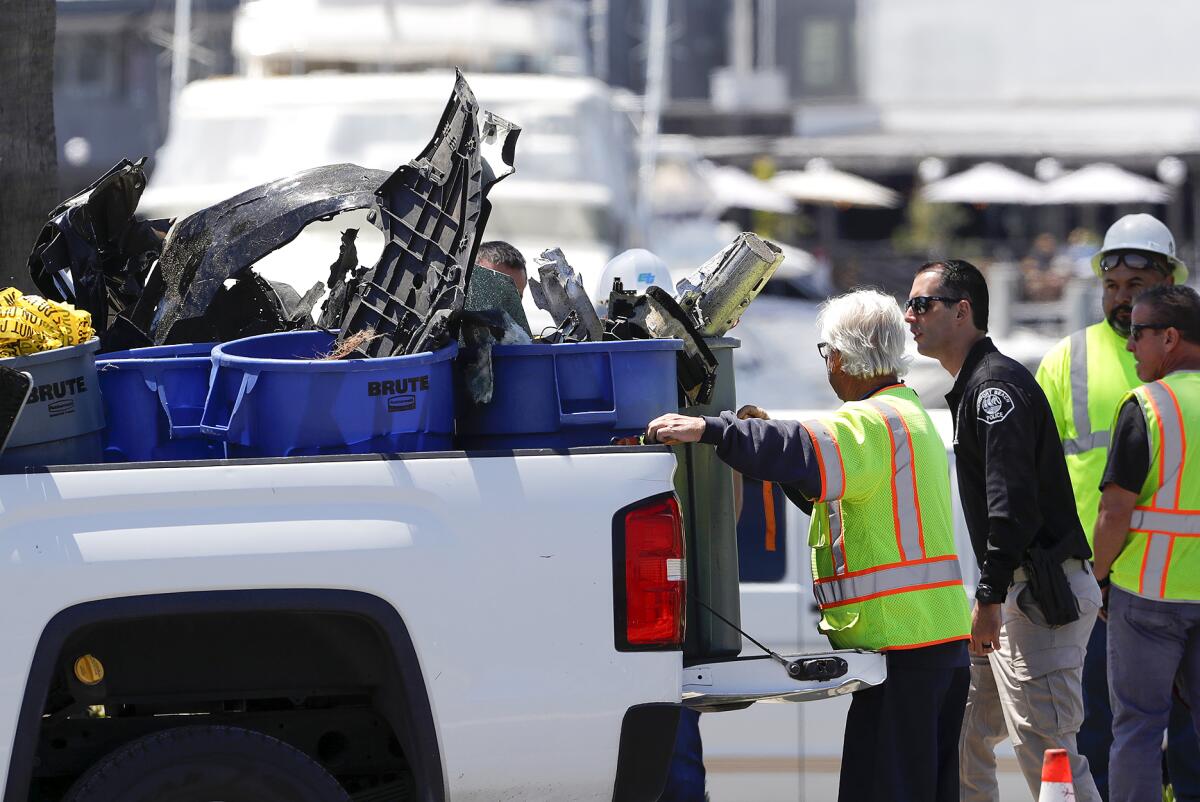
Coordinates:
(779, 451)
(768, 450)
(1012, 476)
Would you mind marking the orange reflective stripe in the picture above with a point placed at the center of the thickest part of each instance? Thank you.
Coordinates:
(1173, 522)
(1154, 564)
(1178, 478)
(829, 460)
(888, 580)
(885, 567)
(916, 496)
(1170, 442)
(1164, 521)
(833, 487)
(906, 516)
(949, 583)
(1162, 585)
(837, 537)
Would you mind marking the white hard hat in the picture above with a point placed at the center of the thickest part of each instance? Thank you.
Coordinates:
(637, 268)
(1141, 232)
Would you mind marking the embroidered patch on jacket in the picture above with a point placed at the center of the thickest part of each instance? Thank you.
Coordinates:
(994, 405)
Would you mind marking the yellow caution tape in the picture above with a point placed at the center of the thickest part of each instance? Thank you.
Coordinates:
(29, 324)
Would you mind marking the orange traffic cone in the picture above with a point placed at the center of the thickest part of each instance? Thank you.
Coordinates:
(1056, 777)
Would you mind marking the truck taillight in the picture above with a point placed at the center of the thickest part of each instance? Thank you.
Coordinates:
(654, 581)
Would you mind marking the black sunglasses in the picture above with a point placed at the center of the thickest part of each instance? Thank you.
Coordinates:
(1132, 259)
(1136, 329)
(824, 349)
(921, 303)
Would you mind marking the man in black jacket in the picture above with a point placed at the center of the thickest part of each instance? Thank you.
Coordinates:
(1036, 599)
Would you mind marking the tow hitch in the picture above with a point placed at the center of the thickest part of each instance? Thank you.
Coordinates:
(817, 668)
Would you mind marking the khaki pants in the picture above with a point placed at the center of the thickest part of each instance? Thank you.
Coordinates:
(1029, 690)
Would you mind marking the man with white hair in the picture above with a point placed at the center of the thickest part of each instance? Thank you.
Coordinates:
(885, 571)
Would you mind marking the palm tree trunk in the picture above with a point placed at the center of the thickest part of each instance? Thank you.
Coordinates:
(28, 156)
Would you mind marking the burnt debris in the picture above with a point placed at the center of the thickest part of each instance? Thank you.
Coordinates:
(432, 212)
(192, 280)
(206, 249)
(560, 292)
(157, 282)
(92, 252)
(717, 293)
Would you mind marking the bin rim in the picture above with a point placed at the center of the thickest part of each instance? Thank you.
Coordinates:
(142, 357)
(56, 354)
(607, 346)
(222, 356)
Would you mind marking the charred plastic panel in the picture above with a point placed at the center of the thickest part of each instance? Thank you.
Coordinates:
(560, 292)
(208, 248)
(92, 252)
(432, 212)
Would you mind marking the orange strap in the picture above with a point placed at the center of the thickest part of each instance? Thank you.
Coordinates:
(769, 513)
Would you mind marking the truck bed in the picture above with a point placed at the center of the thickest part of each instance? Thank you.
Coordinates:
(499, 564)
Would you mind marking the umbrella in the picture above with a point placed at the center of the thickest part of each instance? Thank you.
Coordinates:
(822, 184)
(985, 183)
(1105, 183)
(735, 188)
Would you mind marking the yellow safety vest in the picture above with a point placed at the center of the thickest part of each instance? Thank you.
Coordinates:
(1085, 376)
(1161, 556)
(885, 572)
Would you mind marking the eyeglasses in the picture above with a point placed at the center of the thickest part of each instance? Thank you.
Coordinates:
(1132, 259)
(921, 303)
(1136, 329)
(824, 349)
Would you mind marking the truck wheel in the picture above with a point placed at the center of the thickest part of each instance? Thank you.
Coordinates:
(202, 764)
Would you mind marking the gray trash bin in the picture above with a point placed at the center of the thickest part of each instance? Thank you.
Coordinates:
(705, 487)
(63, 421)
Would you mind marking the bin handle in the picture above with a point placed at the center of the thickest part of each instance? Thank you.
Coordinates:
(596, 417)
(217, 428)
(176, 430)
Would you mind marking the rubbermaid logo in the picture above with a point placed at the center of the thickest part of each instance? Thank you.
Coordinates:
(402, 403)
(401, 394)
(64, 407)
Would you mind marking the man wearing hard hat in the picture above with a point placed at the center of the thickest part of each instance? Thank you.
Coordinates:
(1085, 376)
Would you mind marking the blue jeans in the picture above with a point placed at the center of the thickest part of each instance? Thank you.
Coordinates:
(685, 779)
(1149, 643)
(1095, 736)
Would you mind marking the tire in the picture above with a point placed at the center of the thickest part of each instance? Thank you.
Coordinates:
(206, 764)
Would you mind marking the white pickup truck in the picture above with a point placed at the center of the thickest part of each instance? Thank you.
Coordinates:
(452, 625)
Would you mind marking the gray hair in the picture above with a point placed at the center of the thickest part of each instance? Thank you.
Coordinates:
(866, 327)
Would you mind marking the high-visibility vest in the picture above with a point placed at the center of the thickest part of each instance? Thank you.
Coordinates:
(885, 572)
(1085, 376)
(1161, 557)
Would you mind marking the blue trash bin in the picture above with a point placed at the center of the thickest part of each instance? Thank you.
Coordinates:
(153, 399)
(572, 394)
(273, 396)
